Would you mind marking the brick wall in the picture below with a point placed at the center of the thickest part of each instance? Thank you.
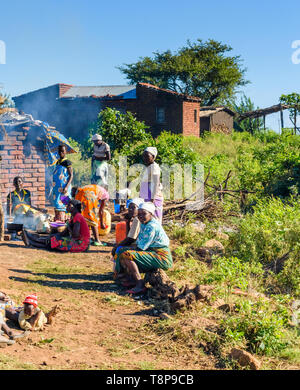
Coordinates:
(191, 124)
(149, 99)
(14, 163)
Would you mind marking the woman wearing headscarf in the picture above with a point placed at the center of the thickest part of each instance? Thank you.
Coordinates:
(152, 250)
(151, 187)
(92, 198)
(100, 157)
(62, 178)
(132, 224)
(76, 237)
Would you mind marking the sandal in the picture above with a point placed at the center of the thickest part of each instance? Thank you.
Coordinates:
(132, 292)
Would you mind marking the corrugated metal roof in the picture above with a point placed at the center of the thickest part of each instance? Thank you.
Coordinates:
(124, 91)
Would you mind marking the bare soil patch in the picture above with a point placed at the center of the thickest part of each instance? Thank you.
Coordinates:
(98, 327)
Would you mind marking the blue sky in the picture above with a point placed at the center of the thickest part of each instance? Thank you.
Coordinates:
(81, 43)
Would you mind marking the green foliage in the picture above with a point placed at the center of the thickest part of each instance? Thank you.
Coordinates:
(293, 99)
(121, 131)
(81, 167)
(273, 167)
(171, 150)
(271, 231)
(232, 272)
(246, 105)
(87, 145)
(258, 326)
(269, 234)
(200, 69)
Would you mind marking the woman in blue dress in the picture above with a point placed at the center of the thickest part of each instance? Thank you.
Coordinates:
(62, 179)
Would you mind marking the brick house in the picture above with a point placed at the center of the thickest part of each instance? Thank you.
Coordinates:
(71, 109)
(21, 158)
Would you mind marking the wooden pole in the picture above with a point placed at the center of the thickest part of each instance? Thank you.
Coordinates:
(295, 121)
(281, 119)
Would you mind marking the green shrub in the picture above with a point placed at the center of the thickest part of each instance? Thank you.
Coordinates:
(232, 272)
(257, 326)
(270, 232)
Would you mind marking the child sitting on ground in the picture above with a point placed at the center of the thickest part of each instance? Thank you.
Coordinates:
(31, 317)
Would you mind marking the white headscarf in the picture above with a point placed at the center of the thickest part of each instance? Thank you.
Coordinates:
(148, 206)
(152, 150)
(137, 201)
(97, 137)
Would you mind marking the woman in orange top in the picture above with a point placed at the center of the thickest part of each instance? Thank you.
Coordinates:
(92, 198)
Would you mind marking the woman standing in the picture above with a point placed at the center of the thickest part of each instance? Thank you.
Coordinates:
(62, 178)
(99, 161)
(152, 250)
(151, 188)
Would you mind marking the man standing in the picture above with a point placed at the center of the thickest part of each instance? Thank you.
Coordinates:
(99, 161)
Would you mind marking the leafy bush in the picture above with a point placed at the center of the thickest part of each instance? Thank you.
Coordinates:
(120, 131)
(269, 234)
(258, 326)
(233, 272)
(81, 167)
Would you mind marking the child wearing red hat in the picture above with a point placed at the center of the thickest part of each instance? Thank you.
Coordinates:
(31, 317)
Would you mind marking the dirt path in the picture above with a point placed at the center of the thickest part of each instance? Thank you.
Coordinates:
(99, 326)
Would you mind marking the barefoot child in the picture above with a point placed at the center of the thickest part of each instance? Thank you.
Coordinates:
(31, 317)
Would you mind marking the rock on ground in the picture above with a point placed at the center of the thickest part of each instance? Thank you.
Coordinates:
(245, 359)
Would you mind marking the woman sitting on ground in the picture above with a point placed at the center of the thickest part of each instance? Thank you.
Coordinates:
(152, 250)
(76, 237)
(132, 224)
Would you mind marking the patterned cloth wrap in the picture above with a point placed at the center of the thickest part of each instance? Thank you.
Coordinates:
(60, 179)
(146, 261)
(152, 249)
(69, 244)
(89, 196)
(3, 306)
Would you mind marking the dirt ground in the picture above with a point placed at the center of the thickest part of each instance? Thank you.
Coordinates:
(99, 325)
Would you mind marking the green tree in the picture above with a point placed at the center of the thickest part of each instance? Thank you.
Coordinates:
(120, 131)
(293, 100)
(245, 105)
(200, 69)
